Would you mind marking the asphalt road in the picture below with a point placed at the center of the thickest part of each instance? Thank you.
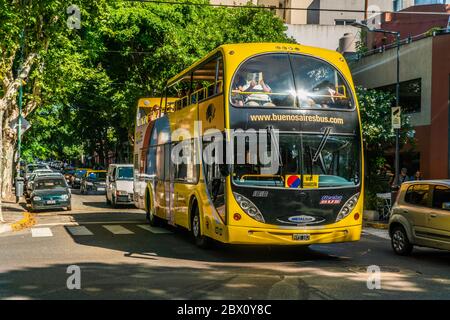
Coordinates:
(120, 257)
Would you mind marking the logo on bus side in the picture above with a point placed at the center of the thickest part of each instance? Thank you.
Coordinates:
(210, 113)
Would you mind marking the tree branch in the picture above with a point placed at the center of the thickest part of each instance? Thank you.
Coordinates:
(12, 89)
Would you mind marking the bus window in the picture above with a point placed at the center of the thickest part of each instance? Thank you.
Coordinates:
(160, 162)
(186, 171)
(319, 85)
(264, 81)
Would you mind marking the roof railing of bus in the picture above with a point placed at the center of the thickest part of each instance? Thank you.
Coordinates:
(199, 95)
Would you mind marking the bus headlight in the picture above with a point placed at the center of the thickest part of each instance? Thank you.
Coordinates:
(348, 207)
(248, 207)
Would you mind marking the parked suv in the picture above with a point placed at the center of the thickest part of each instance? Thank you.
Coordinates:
(421, 216)
(119, 184)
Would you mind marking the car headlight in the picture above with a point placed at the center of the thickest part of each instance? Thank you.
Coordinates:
(121, 193)
(249, 207)
(37, 198)
(348, 207)
(64, 197)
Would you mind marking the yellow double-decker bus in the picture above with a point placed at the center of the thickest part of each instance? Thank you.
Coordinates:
(254, 144)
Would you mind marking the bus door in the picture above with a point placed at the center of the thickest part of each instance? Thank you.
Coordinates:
(168, 185)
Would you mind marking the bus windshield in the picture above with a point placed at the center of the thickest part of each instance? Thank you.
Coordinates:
(289, 80)
(322, 160)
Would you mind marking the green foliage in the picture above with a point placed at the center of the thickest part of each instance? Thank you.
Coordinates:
(378, 136)
(125, 51)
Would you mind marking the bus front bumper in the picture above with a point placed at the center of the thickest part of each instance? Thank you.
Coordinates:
(278, 236)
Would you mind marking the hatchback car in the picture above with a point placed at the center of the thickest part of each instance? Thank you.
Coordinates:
(30, 182)
(50, 192)
(421, 216)
(93, 180)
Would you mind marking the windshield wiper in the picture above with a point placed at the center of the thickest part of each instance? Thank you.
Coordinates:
(322, 143)
(276, 145)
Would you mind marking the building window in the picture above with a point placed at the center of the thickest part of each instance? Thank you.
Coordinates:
(410, 94)
(344, 22)
(398, 5)
(419, 2)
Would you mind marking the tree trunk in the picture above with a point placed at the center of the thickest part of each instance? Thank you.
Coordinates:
(8, 168)
(1, 162)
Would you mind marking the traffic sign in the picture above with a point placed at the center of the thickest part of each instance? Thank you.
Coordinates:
(396, 117)
(25, 125)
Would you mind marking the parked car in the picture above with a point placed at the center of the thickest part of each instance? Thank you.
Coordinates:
(38, 173)
(77, 176)
(421, 216)
(119, 184)
(30, 168)
(50, 192)
(93, 180)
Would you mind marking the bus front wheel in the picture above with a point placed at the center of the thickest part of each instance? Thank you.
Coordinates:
(200, 240)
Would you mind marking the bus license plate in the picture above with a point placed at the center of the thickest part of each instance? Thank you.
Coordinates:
(51, 202)
(300, 237)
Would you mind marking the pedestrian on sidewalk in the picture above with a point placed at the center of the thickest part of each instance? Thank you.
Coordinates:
(417, 176)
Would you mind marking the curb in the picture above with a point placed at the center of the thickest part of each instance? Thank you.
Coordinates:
(27, 221)
(376, 225)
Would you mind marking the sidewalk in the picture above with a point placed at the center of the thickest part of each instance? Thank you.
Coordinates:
(16, 216)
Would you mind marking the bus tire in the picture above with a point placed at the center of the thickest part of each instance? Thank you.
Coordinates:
(152, 219)
(200, 240)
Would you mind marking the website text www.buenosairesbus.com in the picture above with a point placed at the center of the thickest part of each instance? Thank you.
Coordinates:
(295, 117)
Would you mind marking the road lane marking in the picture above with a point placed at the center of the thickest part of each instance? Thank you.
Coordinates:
(41, 232)
(116, 229)
(79, 231)
(87, 223)
(153, 229)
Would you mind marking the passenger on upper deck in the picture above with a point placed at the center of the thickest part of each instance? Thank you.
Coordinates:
(253, 91)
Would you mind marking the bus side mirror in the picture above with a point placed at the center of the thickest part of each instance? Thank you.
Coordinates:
(224, 170)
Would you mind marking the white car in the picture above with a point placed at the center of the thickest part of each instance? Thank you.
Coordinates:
(119, 184)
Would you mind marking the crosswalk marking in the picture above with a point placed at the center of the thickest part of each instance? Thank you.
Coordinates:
(377, 233)
(117, 229)
(153, 229)
(79, 231)
(41, 232)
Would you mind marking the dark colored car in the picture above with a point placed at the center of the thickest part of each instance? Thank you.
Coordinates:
(93, 180)
(50, 192)
(77, 176)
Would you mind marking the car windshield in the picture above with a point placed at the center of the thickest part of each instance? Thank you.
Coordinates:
(50, 183)
(304, 160)
(98, 176)
(125, 173)
(289, 80)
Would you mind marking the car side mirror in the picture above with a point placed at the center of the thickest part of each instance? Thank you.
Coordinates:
(446, 205)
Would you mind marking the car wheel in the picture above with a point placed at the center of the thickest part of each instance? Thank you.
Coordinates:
(399, 241)
(113, 202)
(200, 240)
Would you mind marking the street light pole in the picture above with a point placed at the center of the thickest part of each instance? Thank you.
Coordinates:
(397, 101)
